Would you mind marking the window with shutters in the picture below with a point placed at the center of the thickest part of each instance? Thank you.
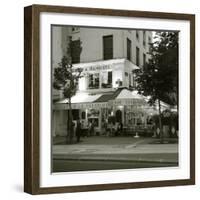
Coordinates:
(128, 41)
(75, 51)
(144, 59)
(144, 38)
(137, 56)
(75, 29)
(137, 35)
(149, 40)
(108, 47)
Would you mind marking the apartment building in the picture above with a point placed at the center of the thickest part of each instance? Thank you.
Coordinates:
(108, 59)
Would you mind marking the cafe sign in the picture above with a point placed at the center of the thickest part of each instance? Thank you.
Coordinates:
(96, 68)
(136, 102)
(81, 106)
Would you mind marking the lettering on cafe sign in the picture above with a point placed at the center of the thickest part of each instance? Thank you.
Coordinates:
(96, 68)
(93, 68)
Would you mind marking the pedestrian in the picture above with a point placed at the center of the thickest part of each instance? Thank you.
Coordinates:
(154, 129)
(78, 130)
(121, 128)
(116, 128)
(91, 128)
(113, 129)
(109, 129)
(105, 126)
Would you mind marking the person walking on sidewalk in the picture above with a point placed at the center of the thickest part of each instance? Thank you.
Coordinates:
(78, 130)
(91, 128)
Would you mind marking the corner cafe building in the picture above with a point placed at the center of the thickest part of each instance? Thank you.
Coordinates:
(104, 92)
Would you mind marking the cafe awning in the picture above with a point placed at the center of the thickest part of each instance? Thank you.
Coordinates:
(81, 98)
(80, 101)
(119, 97)
(128, 97)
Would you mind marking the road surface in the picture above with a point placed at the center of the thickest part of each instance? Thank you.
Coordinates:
(60, 165)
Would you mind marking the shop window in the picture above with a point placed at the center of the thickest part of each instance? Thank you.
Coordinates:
(128, 49)
(93, 81)
(83, 115)
(107, 47)
(95, 121)
(75, 114)
(93, 113)
(118, 116)
(106, 80)
(139, 121)
(111, 119)
(93, 117)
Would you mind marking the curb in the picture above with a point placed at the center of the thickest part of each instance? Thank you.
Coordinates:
(63, 157)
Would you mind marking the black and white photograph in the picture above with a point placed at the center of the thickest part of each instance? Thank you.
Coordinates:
(114, 98)
(109, 99)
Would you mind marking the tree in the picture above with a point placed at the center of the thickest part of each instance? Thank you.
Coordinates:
(66, 79)
(159, 77)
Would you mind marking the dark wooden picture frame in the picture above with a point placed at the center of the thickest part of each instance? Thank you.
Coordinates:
(32, 96)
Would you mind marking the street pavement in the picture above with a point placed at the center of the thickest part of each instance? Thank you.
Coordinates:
(113, 149)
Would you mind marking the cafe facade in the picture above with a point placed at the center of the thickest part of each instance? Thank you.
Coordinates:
(106, 92)
(108, 60)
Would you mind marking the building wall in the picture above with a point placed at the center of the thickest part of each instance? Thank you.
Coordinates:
(60, 42)
(117, 71)
(131, 34)
(92, 43)
(57, 53)
(92, 50)
(59, 121)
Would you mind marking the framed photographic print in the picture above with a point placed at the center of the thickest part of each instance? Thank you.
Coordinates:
(109, 99)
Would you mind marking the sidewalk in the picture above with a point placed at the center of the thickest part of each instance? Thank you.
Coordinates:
(124, 149)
